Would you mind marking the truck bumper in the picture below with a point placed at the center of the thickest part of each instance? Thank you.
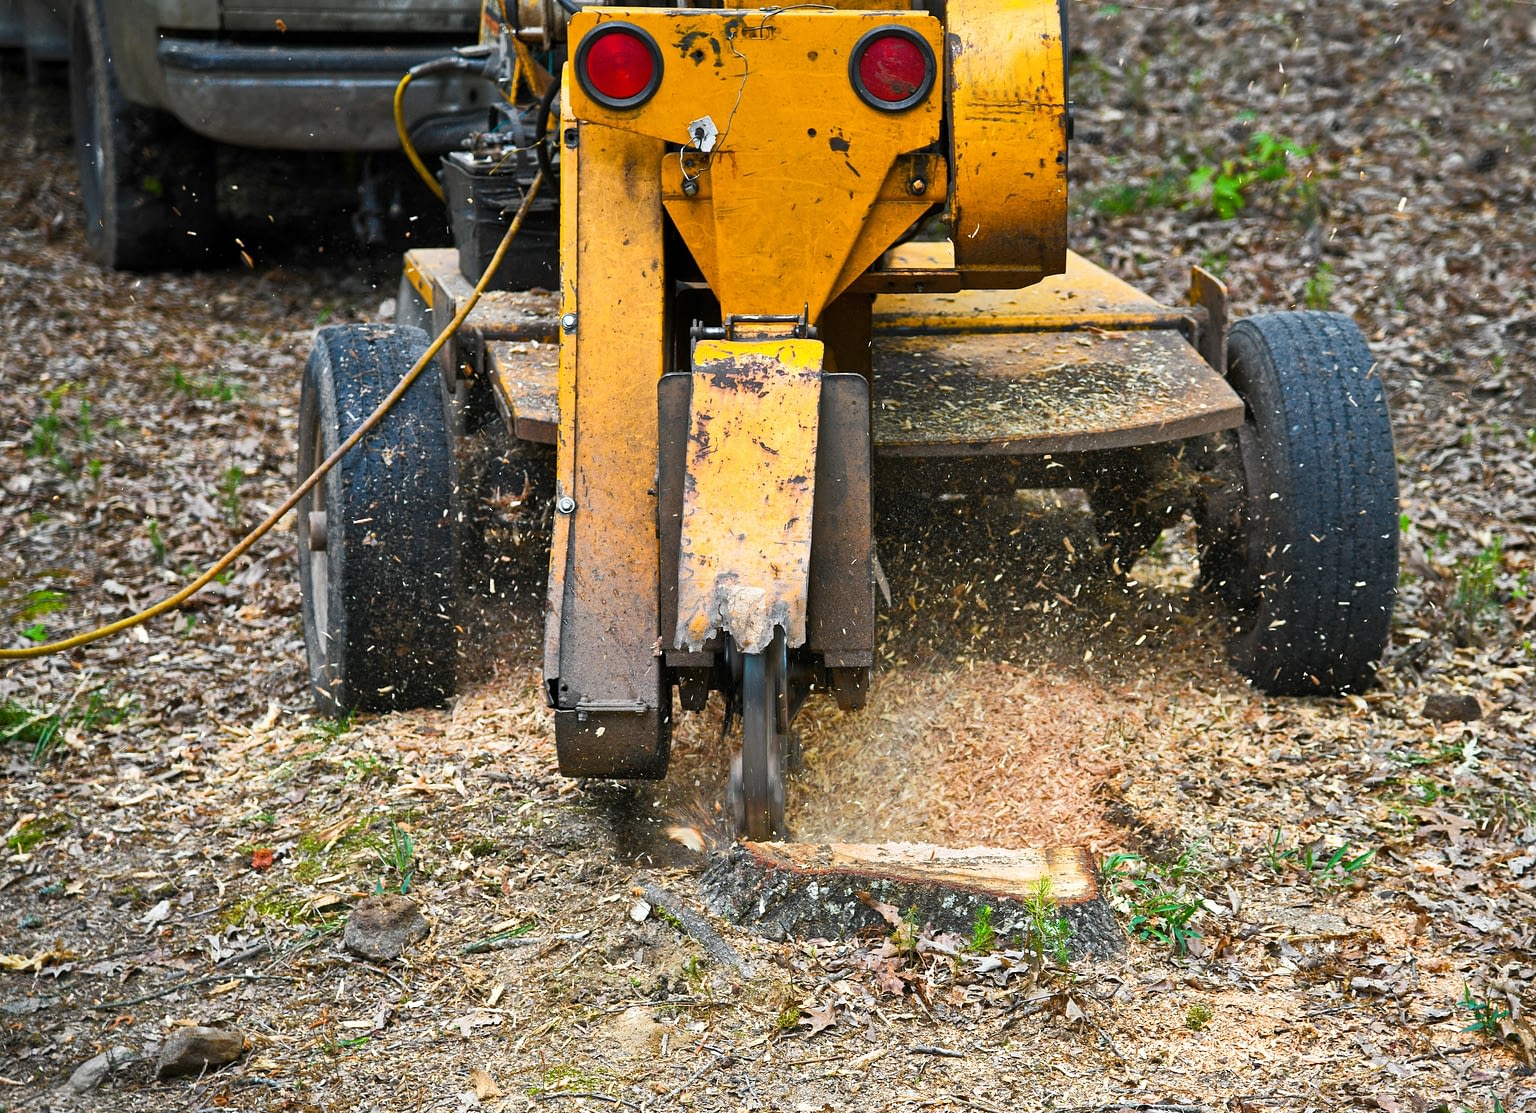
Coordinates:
(317, 98)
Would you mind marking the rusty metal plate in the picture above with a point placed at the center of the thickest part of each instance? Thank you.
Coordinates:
(524, 374)
(1032, 393)
(1085, 295)
(500, 314)
(745, 556)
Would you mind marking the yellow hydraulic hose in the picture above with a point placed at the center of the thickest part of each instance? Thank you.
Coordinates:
(305, 487)
(405, 138)
(524, 70)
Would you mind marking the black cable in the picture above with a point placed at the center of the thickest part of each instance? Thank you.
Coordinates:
(570, 8)
(451, 63)
(541, 129)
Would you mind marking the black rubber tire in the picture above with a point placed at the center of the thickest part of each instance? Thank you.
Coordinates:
(1306, 553)
(380, 597)
(147, 183)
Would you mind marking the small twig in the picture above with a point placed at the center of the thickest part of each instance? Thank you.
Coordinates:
(690, 1080)
(1153, 1107)
(663, 1003)
(518, 938)
(956, 1099)
(249, 952)
(818, 1059)
(1441, 1053)
(374, 969)
(188, 984)
(557, 1095)
(696, 926)
(929, 1049)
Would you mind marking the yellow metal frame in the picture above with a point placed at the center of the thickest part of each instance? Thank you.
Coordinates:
(796, 195)
(787, 188)
(1008, 140)
(602, 596)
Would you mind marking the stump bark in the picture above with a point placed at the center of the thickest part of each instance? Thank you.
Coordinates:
(798, 890)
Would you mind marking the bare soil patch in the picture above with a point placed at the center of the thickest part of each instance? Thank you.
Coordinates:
(187, 847)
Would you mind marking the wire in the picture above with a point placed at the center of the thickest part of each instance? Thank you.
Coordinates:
(541, 129)
(314, 478)
(451, 64)
(405, 137)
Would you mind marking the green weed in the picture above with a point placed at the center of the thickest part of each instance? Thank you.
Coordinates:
(398, 856)
(1486, 1016)
(198, 387)
(156, 541)
(364, 768)
(41, 732)
(568, 1079)
(1123, 200)
(283, 905)
(1217, 262)
(1477, 581)
(1227, 188)
(37, 604)
(905, 935)
(983, 934)
(50, 427)
(1318, 292)
(1197, 1016)
(1046, 930)
(1161, 902)
(694, 973)
(1335, 868)
(332, 728)
(229, 493)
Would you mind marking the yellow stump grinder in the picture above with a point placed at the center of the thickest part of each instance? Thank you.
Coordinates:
(777, 250)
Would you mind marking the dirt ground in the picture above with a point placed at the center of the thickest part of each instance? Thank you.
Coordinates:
(1346, 887)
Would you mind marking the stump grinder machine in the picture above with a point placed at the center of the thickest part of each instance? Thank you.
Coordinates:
(778, 252)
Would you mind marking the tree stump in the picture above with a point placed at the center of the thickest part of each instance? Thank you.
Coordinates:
(798, 890)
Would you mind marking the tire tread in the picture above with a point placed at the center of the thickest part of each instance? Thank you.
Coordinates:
(1328, 573)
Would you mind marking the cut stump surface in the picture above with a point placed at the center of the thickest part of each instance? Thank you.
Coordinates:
(796, 890)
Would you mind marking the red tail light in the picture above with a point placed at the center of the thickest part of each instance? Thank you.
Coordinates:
(618, 65)
(892, 68)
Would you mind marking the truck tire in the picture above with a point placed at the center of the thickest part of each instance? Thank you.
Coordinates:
(378, 543)
(1302, 546)
(146, 182)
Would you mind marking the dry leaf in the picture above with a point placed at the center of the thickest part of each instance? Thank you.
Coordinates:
(1072, 1012)
(37, 960)
(890, 913)
(484, 1085)
(156, 916)
(820, 1018)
